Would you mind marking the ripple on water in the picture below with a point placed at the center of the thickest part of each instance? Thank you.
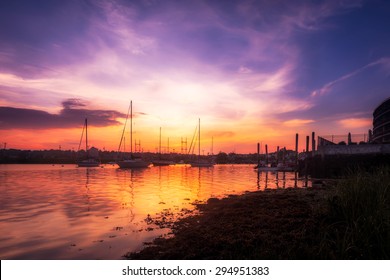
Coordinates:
(58, 212)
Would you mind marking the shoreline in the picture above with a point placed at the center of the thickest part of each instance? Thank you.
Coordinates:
(345, 219)
(269, 224)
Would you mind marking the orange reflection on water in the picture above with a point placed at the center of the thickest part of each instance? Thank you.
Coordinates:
(65, 212)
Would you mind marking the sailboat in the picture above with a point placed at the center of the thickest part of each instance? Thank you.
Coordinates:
(199, 162)
(89, 162)
(132, 162)
(162, 162)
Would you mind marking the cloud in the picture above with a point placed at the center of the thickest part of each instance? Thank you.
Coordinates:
(297, 122)
(44, 36)
(70, 116)
(384, 61)
(73, 103)
(356, 123)
(244, 70)
(310, 16)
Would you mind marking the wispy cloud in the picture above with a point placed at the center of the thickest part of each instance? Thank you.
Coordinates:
(297, 122)
(310, 16)
(356, 123)
(385, 62)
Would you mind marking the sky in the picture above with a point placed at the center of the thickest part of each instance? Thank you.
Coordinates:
(251, 70)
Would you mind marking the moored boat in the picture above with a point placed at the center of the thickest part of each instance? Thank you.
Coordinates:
(89, 162)
(160, 161)
(279, 168)
(163, 162)
(132, 162)
(199, 162)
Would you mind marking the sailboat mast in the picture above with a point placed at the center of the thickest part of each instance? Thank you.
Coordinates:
(86, 136)
(212, 145)
(131, 128)
(199, 140)
(159, 145)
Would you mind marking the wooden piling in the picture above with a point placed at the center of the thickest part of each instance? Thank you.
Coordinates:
(307, 144)
(296, 149)
(307, 153)
(313, 142)
(266, 154)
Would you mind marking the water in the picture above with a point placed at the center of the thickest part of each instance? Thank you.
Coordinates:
(66, 212)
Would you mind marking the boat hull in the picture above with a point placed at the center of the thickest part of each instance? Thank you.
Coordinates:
(88, 163)
(133, 163)
(274, 169)
(163, 163)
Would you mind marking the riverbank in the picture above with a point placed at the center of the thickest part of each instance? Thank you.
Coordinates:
(347, 220)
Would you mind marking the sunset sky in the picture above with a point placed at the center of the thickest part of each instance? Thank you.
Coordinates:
(252, 71)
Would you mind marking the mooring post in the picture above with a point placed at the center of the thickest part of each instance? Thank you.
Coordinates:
(266, 154)
(313, 142)
(258, 154)
(296, 149)
(307, 144)
(307, 153)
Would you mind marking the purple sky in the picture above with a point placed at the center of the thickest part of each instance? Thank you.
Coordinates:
(251, 70)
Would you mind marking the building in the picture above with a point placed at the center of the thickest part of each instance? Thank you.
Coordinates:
(381, 123)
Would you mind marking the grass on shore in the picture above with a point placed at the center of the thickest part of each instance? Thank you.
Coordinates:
(348, 220)
(358, 219)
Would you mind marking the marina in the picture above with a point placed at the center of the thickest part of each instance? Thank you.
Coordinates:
(194, 130)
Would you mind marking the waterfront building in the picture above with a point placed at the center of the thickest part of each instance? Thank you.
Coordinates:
(381, 123)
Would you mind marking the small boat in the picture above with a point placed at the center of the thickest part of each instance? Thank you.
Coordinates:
(132, 162)
(286, 168)
(89, 162)
(199, 162)
(273, 167)
(264, 167)
(279, 168)
(161, 162)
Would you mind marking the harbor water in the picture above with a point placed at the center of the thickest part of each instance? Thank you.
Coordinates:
(66, 212)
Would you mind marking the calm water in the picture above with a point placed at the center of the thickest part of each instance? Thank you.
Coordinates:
(66, 212)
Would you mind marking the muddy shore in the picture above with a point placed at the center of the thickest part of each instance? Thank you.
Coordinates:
(271, 224)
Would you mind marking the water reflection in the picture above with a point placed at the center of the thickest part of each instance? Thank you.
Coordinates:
(276, 180)
(65, 212)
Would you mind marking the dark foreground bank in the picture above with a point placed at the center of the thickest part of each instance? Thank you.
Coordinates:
(346, 220)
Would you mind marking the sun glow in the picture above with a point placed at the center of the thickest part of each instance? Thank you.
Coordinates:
(248, 80)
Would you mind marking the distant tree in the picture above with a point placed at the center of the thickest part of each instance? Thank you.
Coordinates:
(221, 158)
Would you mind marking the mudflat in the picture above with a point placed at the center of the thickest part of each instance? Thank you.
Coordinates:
(270, 224)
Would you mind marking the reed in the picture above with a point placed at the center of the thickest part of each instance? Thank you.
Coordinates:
(358, 219)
